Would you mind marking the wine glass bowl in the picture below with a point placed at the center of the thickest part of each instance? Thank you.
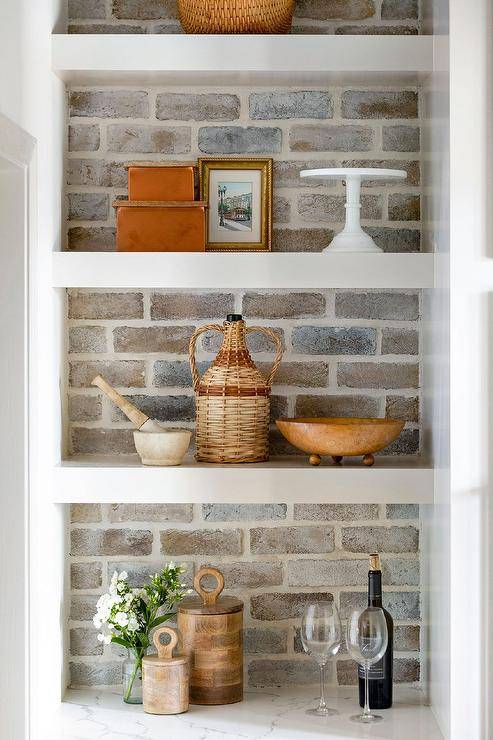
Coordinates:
(367, 637)
(321, 634)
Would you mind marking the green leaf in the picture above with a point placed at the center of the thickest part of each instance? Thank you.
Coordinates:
(121, 641)
(159, 620)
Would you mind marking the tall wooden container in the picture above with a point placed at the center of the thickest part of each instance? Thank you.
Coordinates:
(164, 677)
(211, 629)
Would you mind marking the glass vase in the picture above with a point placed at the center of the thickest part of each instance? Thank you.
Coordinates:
(132, 680)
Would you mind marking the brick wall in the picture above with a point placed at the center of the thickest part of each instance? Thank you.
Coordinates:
(276, 557)
(311, 16)
(375, 127)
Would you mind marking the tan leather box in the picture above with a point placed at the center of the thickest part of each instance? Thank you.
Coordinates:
(160, 227)
(149, 181)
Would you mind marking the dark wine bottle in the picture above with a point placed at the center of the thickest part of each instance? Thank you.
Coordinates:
(380, 674)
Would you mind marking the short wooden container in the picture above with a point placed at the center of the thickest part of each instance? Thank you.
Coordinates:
(211, 629)
(164, 677)
(146, 226)
(161, 181)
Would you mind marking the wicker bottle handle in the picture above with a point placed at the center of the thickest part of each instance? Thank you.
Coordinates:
(165, 651)
(274, 337)
(191, 350)
(209, 597)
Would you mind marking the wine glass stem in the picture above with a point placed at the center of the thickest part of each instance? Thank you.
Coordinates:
(322, 704)
(366, 709)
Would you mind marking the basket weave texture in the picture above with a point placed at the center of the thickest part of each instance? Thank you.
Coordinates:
(236, 16)
(233, 398)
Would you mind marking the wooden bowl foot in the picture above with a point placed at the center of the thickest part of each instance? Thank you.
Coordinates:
(315, 459)
(368, 460)
(337, 459)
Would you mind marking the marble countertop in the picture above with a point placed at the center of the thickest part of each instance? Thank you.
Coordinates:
(273, 714)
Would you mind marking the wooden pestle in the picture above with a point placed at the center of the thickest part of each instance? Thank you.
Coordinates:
(140, 419)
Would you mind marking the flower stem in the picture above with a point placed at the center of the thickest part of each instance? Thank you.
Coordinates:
(128, 692)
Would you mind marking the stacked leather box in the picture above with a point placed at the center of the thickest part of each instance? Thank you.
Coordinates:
(161, 213)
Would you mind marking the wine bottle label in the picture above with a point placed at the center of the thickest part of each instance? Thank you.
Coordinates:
(377, 671)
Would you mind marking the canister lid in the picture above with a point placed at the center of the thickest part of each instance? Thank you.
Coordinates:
(210, 602)
(165, 652)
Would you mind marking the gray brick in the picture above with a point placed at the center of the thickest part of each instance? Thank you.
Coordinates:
(268, 673)
(400, 341)
(347, 672)
(162, 408)
(87, 339)
(400, 138)
(280, 446)
(86, 575)
(86, 9)
(264, 640)
(83, 607)
(256, 342)
(191, 305)
(411, 167)
(378, 375)
(332, 340)
(287, 173)
(140, 571)
(377, 305)
(402, 511)
(406, 637)
(201, 542)
(335, 512)
(96, 172)
(351, 10)
(395, 240)
(123, 373)
(300, 374)
(88, 206)
(278, 407)
(330, 137)
(322, 207)
(311, 406)
(379, 104)
(167, 28)
(283, 305)
(281, 210)
(102, 28)
(238, 140)
(377, 30)
(300, 104)
(85, 513)
(327, 573)
(301, 240)
(175, 373)
(401, 407)
(110, 542)
(83, 137)
(406, 670)
(152, 338)
(197, 107)
(401, 604)
(102, 441)
(243, 512)
(291, 540)
(143, 11)
(380, 539)
(86, 305)
(407, 443)
(149, 139)
(150, 512)
(400, 10)
(84, 641)
(92, 238)
(399, 572)
(109, 103)
(273, 606)
(249, 574)
(404, 207)
(95, 674)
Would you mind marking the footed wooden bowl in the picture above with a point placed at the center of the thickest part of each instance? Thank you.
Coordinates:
(340, 437)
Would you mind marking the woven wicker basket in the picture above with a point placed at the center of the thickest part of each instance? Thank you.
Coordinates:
(236, 16)
(233, 398)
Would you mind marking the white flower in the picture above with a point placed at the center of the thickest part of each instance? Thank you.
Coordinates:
(107, 639)
(121, 619)
(123, 576)
(133, 624)
(97, 622)
(101, 637)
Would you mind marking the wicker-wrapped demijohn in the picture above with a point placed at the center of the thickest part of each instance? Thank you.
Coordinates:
(233, 397)
(236, 16)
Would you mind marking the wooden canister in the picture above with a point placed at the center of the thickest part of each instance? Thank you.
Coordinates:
(164, 677)
(211, 630)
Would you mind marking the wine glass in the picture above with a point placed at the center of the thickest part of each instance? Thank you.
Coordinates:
(321, 638)
(367, 638)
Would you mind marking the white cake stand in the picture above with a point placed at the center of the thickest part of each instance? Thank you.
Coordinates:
(352, 238)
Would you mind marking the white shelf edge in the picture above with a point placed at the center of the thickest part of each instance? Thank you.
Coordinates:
(236, 271)
(106, 480)
(181, 58)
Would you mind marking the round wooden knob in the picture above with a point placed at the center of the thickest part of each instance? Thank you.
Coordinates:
(209, 597)
(165, 651)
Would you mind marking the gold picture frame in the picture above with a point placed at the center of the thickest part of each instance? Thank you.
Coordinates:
(239, 213)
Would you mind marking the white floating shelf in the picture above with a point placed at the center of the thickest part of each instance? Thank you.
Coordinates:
(179, 59)
(267, 271)
(123, 479)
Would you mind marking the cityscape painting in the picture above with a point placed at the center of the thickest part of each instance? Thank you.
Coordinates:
(234, 208)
